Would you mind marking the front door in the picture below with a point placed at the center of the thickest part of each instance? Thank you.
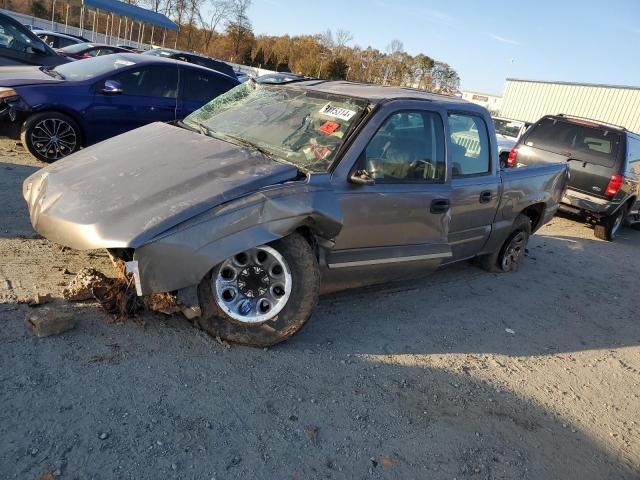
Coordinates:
(401, 221)
(149, 94)
(475, 186)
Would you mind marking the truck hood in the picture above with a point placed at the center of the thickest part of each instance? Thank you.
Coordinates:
(21, 75)
(122, 192)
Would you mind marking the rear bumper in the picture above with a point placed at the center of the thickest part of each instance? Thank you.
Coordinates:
(578, 202)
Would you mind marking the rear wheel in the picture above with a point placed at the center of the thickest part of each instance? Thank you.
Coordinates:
(511, 254)
(263, 295)
(50, 136)
(608, 228)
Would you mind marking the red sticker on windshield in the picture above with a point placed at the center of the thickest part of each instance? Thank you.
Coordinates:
(329, 127)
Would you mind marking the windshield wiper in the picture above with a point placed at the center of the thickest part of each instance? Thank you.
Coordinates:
(246, 143)
(51, 72)
(204, 129)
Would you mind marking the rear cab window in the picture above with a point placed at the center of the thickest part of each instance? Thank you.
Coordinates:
(468, 145)
(597, 146)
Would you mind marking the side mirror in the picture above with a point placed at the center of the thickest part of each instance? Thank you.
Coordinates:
(361, 177)
(112, 87)
(39, 48)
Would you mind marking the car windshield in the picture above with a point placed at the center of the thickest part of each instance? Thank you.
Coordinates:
(298, 126)
(508, 128)
(92, 67)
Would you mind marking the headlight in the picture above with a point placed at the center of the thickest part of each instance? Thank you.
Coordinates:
(7, 92)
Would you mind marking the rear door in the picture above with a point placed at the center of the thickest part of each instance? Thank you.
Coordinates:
(594, 153)
(149, 94)
(199, 87)
(475, 184)
(400, 222)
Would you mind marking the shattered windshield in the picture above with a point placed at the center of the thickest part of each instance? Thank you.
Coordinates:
(297, 126)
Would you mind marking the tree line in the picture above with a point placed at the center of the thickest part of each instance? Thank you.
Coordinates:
(222, 29)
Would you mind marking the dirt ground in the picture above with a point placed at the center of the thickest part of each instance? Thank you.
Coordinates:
(416, 380)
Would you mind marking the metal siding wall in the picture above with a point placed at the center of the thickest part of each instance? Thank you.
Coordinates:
(529, 101)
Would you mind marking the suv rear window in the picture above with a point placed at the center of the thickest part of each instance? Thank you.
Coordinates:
(591, 145)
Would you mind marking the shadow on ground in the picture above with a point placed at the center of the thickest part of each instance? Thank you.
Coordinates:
(173, 403)
(15, 216)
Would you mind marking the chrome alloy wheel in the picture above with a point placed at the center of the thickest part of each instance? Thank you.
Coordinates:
(253, 286)
(54, 138)
(514, 251)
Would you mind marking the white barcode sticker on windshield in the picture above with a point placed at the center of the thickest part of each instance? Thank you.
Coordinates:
(337, 112)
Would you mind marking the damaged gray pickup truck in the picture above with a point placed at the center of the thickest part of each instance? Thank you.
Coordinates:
(244, 208)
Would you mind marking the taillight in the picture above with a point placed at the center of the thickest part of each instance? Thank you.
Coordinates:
(614, 185)
(513, 156)
(86, 55)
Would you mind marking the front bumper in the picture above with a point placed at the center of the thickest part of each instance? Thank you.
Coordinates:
(578, 202)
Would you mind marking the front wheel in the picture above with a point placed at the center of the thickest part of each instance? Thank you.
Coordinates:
(263, 295)
(50, 136)
(609, 227)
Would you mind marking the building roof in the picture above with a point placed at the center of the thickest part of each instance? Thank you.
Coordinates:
(576, 84)
(133, 12)
(375, 93)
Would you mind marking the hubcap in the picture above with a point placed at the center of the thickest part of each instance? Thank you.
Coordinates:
(253, 286)
(54, 138)
(513, 252)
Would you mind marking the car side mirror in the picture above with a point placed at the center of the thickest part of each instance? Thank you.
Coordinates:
(39, 48)
(361, 177)
(112, 87)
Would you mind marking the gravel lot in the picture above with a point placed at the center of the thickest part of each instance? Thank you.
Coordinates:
(411, 380)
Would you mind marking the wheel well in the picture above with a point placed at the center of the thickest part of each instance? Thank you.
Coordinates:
(73, 116)
(631, 201)
(309, 235)
(534, 212)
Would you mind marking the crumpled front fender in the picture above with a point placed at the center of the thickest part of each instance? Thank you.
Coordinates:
(182, 256)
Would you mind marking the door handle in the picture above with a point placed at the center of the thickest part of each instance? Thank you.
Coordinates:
(485, 197)
(440, 205)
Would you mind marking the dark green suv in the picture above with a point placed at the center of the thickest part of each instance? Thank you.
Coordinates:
(604, 162)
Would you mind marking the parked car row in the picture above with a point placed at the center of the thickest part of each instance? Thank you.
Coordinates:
(57, 110)
(31, 45)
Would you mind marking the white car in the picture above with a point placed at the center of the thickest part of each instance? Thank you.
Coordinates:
(508, 131)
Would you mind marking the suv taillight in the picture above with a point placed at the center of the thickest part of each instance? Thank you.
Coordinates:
(513, 156)
(614, 185)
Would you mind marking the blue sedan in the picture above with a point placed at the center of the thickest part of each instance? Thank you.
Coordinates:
(57, 110)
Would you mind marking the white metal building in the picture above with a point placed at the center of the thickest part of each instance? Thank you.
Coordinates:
(486, 100)
(529, 100)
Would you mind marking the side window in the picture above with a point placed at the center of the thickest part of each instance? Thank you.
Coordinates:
(202, 86)
(49, 40)
(633, 154)
(65, 42)
(12, 38)
(104, 51)
(149, 82)
(469, 145)
(408, 147)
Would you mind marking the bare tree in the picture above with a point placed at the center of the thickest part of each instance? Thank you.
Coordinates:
(343, 37)
(239, 25)
(219, 11)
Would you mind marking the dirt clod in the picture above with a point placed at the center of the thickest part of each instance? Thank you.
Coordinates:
(81, 287)
(49, 321)
(312, 433)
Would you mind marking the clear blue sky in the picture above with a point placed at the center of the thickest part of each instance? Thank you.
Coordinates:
(595, 41)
